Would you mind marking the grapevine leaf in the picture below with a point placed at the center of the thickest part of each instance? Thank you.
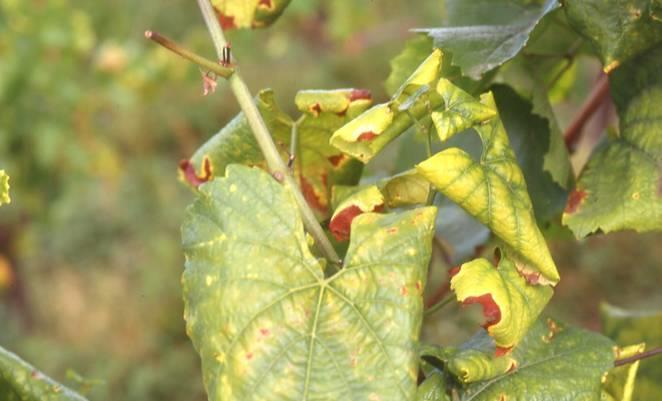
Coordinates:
(248, 13)
(367, 134)
(301, 335)
(318, 166)
(367, 200)
(553, 362)
(492, 31)
(621, 186)
(4, 188)
(433, 388)
(471, 362)
(530, 137)
(494, 191)
(510, 304)
(619, 30)
(407, 188)
(20, 381)
(632, 327)
(416, 50)
(460, 111)
(619, 384)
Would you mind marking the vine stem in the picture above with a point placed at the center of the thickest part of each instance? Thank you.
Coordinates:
(640, 356)
(276, 165)
(597, 97)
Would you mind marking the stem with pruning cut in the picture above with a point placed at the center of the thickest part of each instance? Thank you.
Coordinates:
(207, 64)
(276, 165)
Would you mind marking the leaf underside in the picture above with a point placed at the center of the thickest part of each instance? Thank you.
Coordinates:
(268, 324)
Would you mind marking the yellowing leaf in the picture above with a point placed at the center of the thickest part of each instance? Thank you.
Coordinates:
(620, 382)
(460, 111)
(20, 381)
(407, 188)
(367, 134)
(248, 13)
(510, 304)
(4, 188)
(369, 199)
(318, 166)
(494, 191)
(266, 321)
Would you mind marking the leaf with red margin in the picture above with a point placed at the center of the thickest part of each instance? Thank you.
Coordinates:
(248, 13)
(366, 200)
(553, 362)
(494, 191)
(510, 303)
(366, 135)
(317, 166)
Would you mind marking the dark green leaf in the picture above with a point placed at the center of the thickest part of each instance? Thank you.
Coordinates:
(618, 29)
(487, 33)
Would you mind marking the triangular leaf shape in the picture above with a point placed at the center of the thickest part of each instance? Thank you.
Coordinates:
(4, 188)
(300, 335)
(553, 362)
(318, 165)
(20, 381)
(621, 186)
(248, 13)
(494, 191)
(510, 304)
(492, 31)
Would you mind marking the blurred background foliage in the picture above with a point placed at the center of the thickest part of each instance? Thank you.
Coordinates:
(93, 120)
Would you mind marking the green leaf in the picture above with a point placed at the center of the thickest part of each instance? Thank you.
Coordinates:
(620, 382)
(633, 327)
(510, 304)
(4, 188)
(318, 166)
(487, 33)
(471, 362)
(619, 29)
(531, 139)
(553, 362)
(268, 324)
(367, 134)
(366, 200)
(248, 13)
(20, 381)
(494, 191)
(433, 388)
(621, 186)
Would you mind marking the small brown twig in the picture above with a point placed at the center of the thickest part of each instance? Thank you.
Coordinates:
(640, 356)
(218, 69)
(597, 97)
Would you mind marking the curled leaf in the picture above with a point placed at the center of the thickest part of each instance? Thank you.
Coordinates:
(510, 304)
(494, 191)
(366, 200)
(407, 188)
(433, 388)
(367, 134)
